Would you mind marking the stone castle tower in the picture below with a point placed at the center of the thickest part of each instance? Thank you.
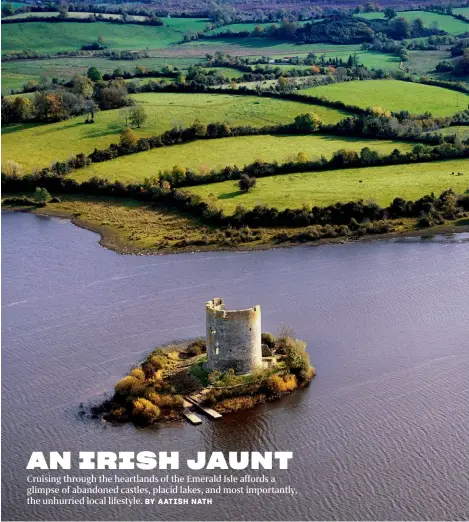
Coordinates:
(233, 338)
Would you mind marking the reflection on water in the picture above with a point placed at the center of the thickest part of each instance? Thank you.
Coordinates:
(382, 432)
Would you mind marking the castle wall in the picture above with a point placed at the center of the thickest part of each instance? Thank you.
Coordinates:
(233, 338)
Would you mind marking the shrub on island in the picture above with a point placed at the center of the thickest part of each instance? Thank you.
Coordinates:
(154, 390)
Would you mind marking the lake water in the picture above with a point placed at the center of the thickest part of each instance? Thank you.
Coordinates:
(381, 433)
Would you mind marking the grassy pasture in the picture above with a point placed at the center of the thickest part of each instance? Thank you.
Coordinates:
(16, 73)
(72, 14)
(144, 81)
(229, 72)
(237, 28)
(381, 184)
(444, 22)
(39, 145)
(395, 95)
(460, 131)
(461, 10)
(45, 37)
(208, 154)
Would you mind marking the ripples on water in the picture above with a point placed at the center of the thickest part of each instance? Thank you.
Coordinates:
(382, 432)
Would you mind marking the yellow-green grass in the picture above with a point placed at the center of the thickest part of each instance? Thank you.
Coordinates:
(395, 95)
(39, 145)
(139, 82)
(46, 37)
(128, 226)
(380, 184)
(460, 131)
(229, 72)
(202, 156)
(444, 22)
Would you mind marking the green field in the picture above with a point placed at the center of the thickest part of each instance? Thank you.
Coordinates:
(229, 72)
(461, 10)
(15, 74)
(216, 154)
(444, 22)
(38, 145)
(236, 28)
(72, 14)
(395, 95)
(380, 184)
(45, 37)
(460, 131)
(144, 81)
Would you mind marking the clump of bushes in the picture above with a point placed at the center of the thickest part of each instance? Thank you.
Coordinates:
(196, 347)
(145, 411)
(130, 385)
(158, 362)
(268, 339)
(278, 384)
(243, 402)
(166, 400)
(21, 201)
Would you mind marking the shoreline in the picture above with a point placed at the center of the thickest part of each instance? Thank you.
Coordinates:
(112, 242)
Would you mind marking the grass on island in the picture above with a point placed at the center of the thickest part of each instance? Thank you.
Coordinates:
(444, 22)
(380, 184)
(46, 37)
(39, 145)
(204, 155)
(395, 95)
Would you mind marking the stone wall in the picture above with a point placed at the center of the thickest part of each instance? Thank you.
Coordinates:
(233, 338)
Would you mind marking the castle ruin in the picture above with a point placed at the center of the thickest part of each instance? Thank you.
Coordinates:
(233, 338)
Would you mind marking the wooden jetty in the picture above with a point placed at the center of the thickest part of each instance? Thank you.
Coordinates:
(196, 400)
(192, 417)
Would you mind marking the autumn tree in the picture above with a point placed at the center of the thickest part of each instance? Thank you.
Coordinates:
(128, 138)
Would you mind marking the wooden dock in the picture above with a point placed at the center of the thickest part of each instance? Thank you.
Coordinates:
(192, 417)
(196, 401)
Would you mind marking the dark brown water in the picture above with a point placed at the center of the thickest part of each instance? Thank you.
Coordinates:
(382, 432)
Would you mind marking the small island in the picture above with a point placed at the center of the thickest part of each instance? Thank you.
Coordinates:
(234, 368)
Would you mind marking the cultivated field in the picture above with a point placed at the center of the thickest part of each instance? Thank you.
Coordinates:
(381, 184)
(396, 96)
(202, 156)
(38, 145)
(46, 37)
